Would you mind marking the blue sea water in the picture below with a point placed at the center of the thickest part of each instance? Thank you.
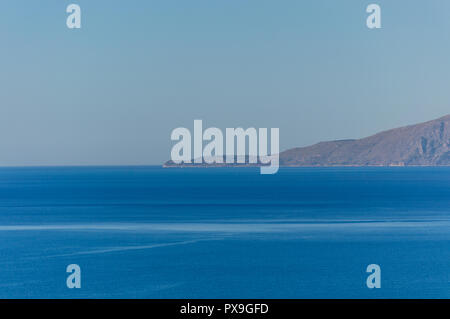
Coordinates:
(149, 232)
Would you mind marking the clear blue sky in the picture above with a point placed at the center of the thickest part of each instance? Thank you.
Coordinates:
(112, 92)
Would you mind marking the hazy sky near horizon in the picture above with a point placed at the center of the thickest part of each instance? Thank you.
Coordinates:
(112, 92)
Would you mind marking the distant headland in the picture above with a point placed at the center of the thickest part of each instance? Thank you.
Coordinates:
(424, 144)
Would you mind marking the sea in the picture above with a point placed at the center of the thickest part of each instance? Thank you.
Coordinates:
(152, 232)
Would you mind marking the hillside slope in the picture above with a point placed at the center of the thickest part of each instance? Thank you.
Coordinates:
(421, 144)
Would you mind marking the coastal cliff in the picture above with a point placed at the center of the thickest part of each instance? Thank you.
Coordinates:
(424, 144)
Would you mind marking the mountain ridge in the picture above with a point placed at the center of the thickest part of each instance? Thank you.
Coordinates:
(423, 144)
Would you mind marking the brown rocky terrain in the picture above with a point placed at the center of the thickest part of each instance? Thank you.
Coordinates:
(426, 144)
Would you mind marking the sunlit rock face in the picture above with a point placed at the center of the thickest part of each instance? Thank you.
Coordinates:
(426, 144)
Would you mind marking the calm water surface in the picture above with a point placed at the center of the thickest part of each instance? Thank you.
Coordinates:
(148, 232)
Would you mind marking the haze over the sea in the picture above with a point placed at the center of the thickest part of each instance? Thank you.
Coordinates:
(111, 92)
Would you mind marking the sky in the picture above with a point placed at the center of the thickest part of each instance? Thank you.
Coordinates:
(111, 92)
